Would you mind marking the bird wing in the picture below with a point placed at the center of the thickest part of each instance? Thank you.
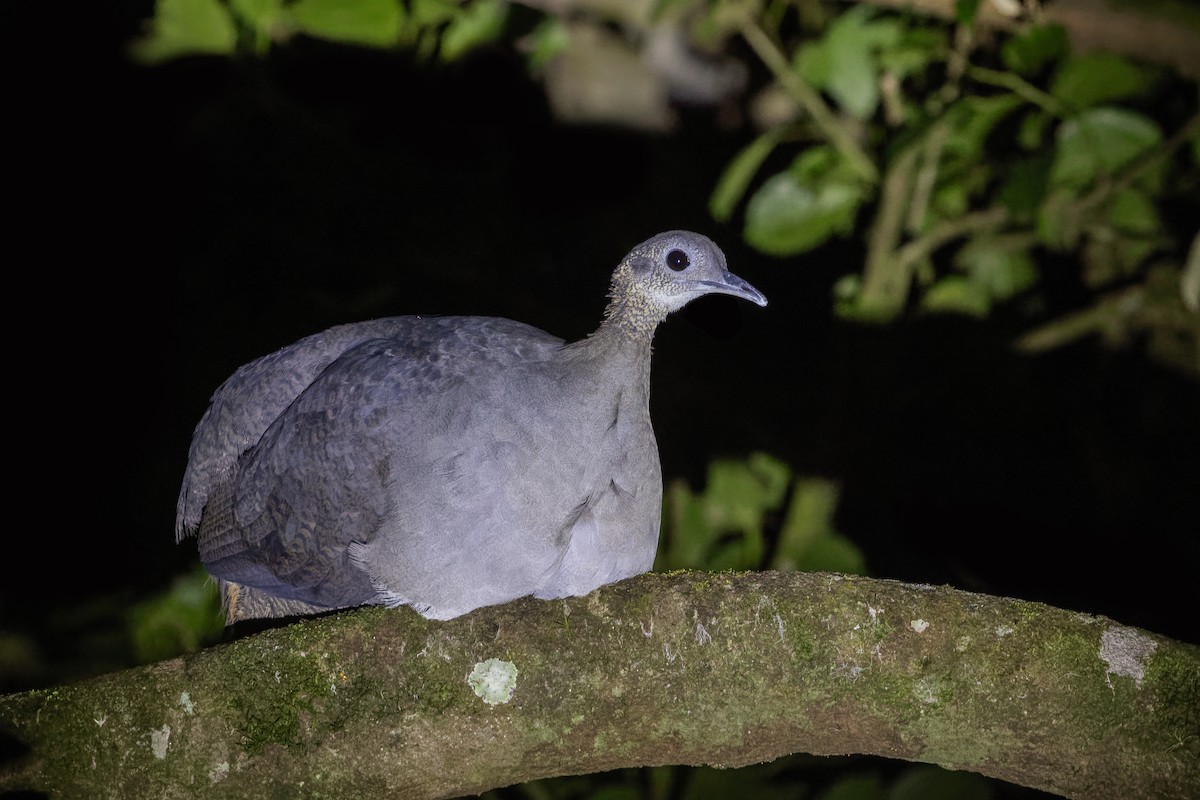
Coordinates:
(246, 404)
(322, 474)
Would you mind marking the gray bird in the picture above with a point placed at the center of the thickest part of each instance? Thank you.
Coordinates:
(444, 463)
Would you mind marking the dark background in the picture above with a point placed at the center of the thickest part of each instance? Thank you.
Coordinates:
(172, 223)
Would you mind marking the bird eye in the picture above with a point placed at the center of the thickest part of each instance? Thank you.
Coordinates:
(677, 260)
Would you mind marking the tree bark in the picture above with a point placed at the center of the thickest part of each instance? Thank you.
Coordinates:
(683, 668)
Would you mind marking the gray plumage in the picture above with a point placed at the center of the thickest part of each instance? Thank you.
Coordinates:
(445, 463)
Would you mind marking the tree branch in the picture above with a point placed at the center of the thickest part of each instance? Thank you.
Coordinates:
(1161, 33)
(684, 668)
(809, 99)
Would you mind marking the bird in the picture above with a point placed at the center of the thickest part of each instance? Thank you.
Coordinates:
(444, 463)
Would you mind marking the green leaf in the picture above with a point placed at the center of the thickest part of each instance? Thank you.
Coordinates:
(789, 215)
(721, 528)
(1033, 129)
(375, 23)
(182, 619)
(850, 44)
(1002, 266)
(478, 23)
(257, 14)
(1098, 142)
(950, 200)
(854, 787)
(431, 13)
(1097, 78)
(808, 540)
(1058, 224)
(913, 52)
(1030, 52)
(1024, 186)
(964, 11)
(935, 783)
(545, 41)
(973, 118)
(758, 781)
(812, 62)
(957, 295)
(263, 18)
(186, 27)
(1131, 212)
(737, 176)
(738, 493)
(844, 62)
(834, 553)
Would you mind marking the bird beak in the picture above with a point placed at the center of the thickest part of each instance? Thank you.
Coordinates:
(732, 284)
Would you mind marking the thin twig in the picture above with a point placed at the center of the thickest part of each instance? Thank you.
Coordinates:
(883, 289)
(908, 256)
(1020, 87)
(809, 99)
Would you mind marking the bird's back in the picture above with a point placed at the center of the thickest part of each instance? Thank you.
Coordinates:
(293, 458)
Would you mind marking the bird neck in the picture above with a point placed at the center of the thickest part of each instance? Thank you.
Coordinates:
(631, 315)
(617, 357)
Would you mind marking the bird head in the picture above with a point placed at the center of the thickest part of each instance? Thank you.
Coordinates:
(668, 271)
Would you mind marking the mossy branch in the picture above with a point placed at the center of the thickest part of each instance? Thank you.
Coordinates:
(683, 668)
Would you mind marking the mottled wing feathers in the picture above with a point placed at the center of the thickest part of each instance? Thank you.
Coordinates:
(281, 507)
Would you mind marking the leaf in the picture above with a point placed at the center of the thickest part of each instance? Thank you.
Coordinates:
(1002, 266)
(258, 15)
(850, 44)
(737, 176)
(973, 119)
(1132, 212)
(1029, 53)
(964, 11)
(950, 201)
(721, 528)
(759, 781)
(935, 783)
(1097, 78)
(957, 295)
(1058, 224)
(478, 23)
(431, 13)
(808, 540)
(1033, 129)
(186, 27)
(374, 23)
(183, 618)
(844, 62)
(688, 535)
(1024, 186)
(739, 492)
(854, 787)
(913, 52)
(545, 41)
(788, 215)
(1098, 142)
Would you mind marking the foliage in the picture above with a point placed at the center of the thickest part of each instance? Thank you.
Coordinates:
(995, 161)
(212, 27)
(182, 619)
(755, 514)
(976, 169)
